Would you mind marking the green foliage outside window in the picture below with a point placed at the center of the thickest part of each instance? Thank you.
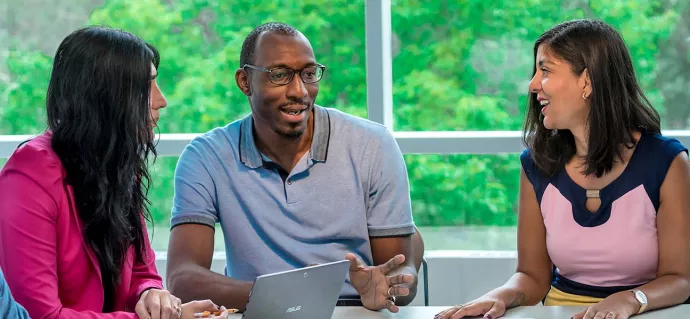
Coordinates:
(457, 65)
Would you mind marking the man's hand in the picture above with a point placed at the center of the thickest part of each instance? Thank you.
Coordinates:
(376, 289)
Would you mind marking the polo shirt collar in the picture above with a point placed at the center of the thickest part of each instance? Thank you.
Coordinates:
(249, 154)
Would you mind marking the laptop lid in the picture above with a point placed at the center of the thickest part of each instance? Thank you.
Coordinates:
(309, 292)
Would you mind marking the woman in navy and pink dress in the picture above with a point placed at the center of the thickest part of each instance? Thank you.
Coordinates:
(604, 208)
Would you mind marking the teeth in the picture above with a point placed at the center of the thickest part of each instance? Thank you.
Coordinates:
(544, 102)
(292, 112)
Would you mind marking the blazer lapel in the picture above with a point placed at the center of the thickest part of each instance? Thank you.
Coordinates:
(73, 211)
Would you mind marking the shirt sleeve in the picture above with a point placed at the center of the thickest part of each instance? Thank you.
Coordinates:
(389, 211)
(666, 153)
(194, 200)
(529, 167)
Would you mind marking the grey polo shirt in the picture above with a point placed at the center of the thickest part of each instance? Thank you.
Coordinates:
(351, 186)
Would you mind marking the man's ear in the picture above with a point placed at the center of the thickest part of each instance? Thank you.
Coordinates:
(242, 80)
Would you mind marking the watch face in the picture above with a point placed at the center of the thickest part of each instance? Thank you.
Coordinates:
(640, 296)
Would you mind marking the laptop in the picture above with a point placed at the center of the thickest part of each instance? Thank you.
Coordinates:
(309, 292)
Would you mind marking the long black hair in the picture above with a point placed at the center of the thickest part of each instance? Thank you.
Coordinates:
(617, 104)
(98, 112)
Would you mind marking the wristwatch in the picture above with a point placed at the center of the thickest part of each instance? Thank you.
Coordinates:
(641, 298)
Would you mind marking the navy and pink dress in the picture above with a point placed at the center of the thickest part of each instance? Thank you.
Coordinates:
(615, 248)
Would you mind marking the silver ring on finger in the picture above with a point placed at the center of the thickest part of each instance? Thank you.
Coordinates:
(391, 297)
(179, 311)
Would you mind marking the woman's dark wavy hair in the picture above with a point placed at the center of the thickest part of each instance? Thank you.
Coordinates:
(618, 105)
(98, 112)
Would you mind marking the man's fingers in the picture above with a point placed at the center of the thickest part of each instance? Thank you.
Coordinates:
(390, 305)
(392, 264)
(355, 263)
(399, 291)
(400, 279)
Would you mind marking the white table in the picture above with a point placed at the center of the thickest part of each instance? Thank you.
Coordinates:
(537, 312)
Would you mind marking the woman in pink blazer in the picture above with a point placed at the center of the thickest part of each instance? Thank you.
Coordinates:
(73, 240)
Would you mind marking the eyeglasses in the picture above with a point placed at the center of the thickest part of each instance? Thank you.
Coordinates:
(283, 76)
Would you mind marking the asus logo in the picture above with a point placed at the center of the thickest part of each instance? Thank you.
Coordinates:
(293, 309)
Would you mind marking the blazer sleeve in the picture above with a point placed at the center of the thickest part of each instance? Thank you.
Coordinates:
(30, 184)
(144, 274)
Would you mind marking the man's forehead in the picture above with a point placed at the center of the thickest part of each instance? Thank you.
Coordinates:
(274, 48)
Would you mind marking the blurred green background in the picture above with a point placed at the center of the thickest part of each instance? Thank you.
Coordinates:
(457, 65)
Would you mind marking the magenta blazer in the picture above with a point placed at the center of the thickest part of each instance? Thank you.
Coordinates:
(49, 267)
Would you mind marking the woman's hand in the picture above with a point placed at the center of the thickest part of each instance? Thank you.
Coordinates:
(160, 304)
(489, 307)
(620, 305)
(199, 306)
(157, 304)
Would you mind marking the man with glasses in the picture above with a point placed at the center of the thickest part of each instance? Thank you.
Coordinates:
(292, 184)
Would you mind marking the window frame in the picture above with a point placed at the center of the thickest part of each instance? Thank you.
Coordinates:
(379, 73)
